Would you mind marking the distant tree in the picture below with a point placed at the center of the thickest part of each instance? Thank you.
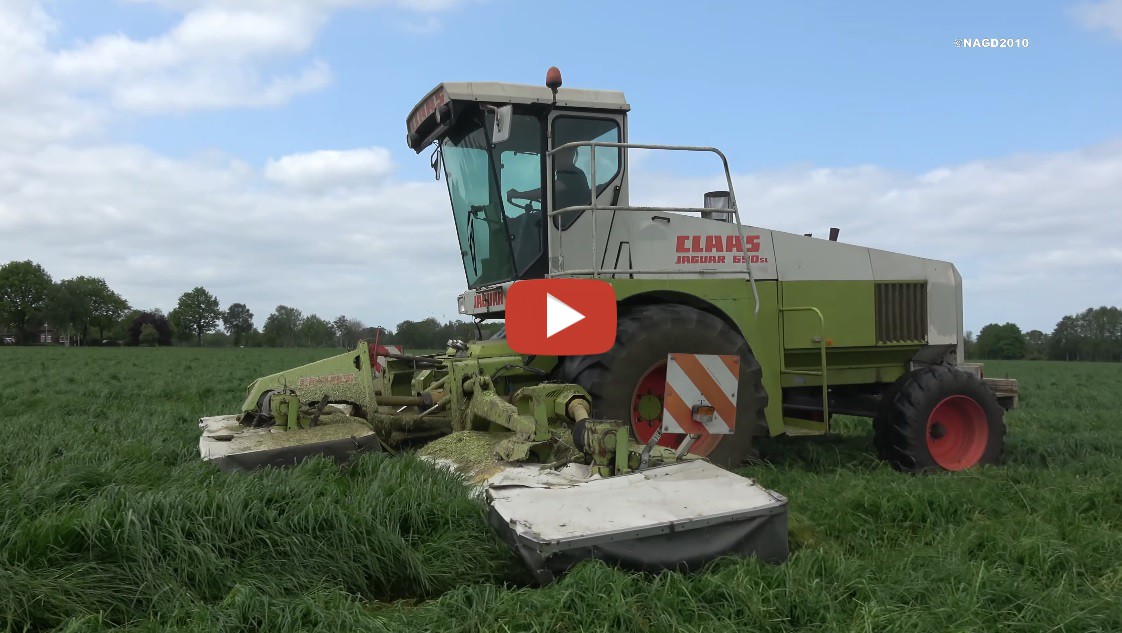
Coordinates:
(315, 332)
(1102, 329)
(424, 334)
(238, 321)
(1001, 342)
(1094, 334)
(432, 334)
(347, 331)
(969, 345)
(148, 335)
(1036, 345)
(158, 321)
(217, 339)
(24, 287)
(378, 333)
(108, 306)
(120, 330)
(180, 329)
(282, 327)
(467, 330)
(82, 303)
(196, 312)
(65, 307)
(1064, 342)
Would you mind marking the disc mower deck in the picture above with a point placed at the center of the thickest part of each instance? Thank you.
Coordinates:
(675, 517)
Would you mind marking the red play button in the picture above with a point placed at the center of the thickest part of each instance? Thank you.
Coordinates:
(561, 317)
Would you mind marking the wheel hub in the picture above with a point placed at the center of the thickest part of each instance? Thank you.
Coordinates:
(649, 408)
(957, 432)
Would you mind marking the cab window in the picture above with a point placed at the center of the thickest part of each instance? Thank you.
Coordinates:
(572, 171)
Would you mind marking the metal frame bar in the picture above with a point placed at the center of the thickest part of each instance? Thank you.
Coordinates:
(597, 271)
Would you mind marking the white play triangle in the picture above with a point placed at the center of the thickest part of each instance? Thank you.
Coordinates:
(558, 315)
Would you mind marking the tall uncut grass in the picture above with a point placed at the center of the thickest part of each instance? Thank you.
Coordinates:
(108, 520)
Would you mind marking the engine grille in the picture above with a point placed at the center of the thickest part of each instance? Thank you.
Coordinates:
(901, 312)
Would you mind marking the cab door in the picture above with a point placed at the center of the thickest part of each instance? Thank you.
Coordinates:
(573, 241)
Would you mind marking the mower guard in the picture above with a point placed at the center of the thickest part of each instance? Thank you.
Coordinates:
(676, 517)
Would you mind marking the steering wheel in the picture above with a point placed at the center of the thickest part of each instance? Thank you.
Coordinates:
(511, 194)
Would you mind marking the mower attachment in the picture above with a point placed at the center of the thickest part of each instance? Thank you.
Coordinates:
(676, 517)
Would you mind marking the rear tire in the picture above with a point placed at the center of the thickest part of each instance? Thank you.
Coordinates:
(644, 337)
(939, 418)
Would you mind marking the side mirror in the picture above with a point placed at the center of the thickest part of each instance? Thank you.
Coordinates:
(504, 116)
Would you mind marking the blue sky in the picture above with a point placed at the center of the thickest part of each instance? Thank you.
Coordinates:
(775, 83)
(859, 115)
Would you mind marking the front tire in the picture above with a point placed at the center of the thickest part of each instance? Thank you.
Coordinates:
(627, 382)
(939, 418)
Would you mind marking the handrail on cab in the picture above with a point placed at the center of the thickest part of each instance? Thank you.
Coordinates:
(592, 145)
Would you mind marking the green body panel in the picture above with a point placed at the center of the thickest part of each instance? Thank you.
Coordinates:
(846, 306)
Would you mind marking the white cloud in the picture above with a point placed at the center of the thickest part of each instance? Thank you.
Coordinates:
(220, 54)
(1104, 14)
(34, 105)
(217, 88)
(327, 169)
(216, 57)
(155, 227)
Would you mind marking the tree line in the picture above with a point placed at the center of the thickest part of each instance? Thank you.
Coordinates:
(1093, 335)
(88, 312)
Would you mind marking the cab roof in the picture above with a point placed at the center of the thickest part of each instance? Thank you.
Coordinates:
(492, 91)
(437, 112)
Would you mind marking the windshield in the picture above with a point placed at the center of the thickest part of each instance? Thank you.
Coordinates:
(496, 199)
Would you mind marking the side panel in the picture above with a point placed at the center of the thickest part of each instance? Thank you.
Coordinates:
(846, 306)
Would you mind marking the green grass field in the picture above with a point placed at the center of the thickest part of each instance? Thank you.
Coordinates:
(107, 519)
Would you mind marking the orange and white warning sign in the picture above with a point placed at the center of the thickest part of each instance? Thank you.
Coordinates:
(700, 394)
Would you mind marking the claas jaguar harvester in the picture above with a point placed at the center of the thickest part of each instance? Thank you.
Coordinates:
(726, 332)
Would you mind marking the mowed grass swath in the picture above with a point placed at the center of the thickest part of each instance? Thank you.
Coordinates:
(109, 520)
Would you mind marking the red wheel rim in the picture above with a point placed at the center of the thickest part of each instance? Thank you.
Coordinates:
(646, 413)
(957, 432)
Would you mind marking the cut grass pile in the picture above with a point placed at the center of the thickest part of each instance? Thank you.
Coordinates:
(107, 519)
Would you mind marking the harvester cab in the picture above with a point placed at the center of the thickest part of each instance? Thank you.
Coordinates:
(725, 332)
(515, 157)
